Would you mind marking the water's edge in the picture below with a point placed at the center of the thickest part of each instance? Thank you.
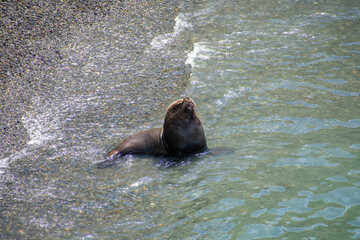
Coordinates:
(33, 55)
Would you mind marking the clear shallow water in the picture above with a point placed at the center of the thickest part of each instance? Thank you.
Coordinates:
(277, 89)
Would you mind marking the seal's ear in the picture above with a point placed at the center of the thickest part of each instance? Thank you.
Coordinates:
(175, 105)
(173, 110)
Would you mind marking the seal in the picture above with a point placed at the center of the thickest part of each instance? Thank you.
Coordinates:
(182, 134)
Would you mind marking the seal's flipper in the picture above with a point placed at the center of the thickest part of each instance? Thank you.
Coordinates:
(113, 154)
(106, 163)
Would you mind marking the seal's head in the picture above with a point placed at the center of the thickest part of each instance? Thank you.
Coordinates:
(181, 111)
(182, 130)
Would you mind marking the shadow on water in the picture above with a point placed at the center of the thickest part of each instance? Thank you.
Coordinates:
(169, 162)
(158, 160)
(162, 161)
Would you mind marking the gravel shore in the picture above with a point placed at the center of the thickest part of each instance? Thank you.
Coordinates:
(33, 36)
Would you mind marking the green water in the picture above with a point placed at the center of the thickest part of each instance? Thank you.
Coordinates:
(281, 87)
(276, 85)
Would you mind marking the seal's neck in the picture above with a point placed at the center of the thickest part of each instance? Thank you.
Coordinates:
(163, 141)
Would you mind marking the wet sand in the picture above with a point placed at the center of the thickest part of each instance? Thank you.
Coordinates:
(33, 42)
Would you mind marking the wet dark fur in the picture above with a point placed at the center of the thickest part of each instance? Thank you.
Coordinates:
(182, 134)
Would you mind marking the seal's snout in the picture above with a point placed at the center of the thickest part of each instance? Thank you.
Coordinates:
(189, 103)
(188, 100)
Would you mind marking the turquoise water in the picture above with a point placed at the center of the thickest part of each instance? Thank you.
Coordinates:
(276, 85)
(280, 85)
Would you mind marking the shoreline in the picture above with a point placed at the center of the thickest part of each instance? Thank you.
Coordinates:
(35, 44)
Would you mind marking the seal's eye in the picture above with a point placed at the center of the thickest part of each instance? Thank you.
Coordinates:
(178, 106)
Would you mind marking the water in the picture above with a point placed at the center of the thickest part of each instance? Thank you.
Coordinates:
(277, 88)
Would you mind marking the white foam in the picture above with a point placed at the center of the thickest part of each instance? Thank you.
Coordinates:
(142, 181)
(42, 124)
(36, 129)
(161, 41)
(201, 51)
(4, 163)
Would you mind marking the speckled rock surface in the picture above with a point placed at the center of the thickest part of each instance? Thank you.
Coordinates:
(44, 43)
